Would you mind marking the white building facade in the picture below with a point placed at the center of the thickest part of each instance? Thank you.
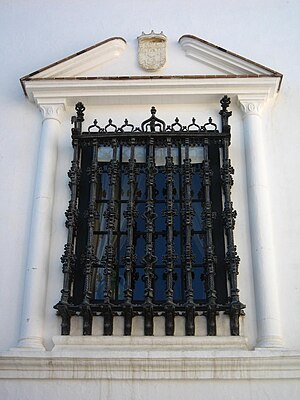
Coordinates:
(112, 78)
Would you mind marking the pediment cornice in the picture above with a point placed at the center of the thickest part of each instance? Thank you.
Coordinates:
(238, 76)
(224, 60)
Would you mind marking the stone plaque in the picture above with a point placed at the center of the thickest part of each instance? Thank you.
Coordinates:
(152, 50)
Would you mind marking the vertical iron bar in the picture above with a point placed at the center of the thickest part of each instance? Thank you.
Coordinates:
(149, 259)
(232, 260)
(170, 257)
(110, 256)
(117, 240)
(229, 214)
(90, 257)
(216, 199)
(181, 216)
(210, 259)
(130, 257)
(68, 259)
(188, 213)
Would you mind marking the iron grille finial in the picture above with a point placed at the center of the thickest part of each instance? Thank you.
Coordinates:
(225, 102)
(225, 114)
(80, 108)
(153, 123)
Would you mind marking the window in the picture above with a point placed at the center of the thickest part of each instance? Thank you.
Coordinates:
(150, 225)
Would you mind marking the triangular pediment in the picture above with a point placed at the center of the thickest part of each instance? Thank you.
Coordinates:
(117, 57)
(109, 73)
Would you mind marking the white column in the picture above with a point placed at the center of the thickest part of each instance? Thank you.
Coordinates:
(36, 274)
(261, 230)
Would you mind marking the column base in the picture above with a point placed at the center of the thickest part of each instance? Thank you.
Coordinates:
(269, 342)
(30, 344)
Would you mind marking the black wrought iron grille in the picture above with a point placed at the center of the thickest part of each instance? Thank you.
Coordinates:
(150, 225)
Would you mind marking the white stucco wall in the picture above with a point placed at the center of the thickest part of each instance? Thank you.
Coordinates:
(217, 390)
(35, 34)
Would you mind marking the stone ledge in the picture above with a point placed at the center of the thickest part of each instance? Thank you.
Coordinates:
(151, 358)
(150, 344)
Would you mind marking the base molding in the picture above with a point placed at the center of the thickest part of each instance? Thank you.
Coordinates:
(150, 358)
(150, 344)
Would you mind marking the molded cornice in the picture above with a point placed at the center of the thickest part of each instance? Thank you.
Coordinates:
(224, 60)
(82, 61)
(146, 90)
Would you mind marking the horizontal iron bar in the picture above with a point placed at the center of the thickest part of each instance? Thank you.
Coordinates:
(141, 135)
(138, 308)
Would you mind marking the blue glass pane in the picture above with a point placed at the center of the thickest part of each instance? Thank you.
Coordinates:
(103, 186)
(123, 220)
(140, 220)
(99, 284)
(197, 218)
(141, 192)
(100, 241)
(138, 291)
(198, 249)
(121, 284)
(140, 228)
(124, 188)
(160, 221)
(101, 208)
(140, 250)
(177, 184)
(178, 289)
(177, 217)
(159, 284)
(177, 248)
(122, 248)
(160, 249)
(198, 284)
(160, 185)
(105, 154)
(196, 185)
(139, 153)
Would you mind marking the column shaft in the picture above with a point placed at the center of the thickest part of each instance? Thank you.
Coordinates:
(261, 230)
(40, 233)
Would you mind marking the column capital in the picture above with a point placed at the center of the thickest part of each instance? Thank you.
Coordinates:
(251, 104)
(52, 108)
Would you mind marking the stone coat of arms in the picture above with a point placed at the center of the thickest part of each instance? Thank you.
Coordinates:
(152, 50)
